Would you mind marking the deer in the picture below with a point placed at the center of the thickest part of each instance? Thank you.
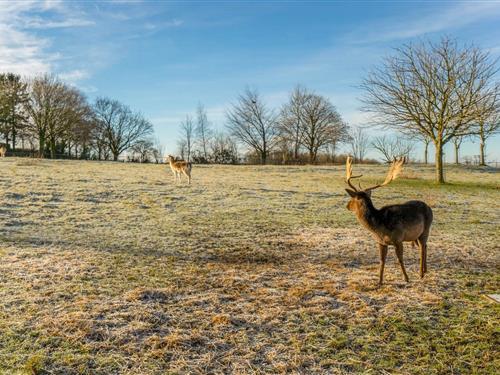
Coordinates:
(393, 224)
(179, 167)
(3, 150)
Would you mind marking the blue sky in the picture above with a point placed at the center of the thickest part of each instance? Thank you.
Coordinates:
(163, 58)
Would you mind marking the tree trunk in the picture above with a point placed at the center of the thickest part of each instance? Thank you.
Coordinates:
(263, 157)
(439, 163)
(457, 148)
(482, 145)
(41, 146)
(312, 157)
(14, 139)
(115, 156)
(52, 149)
(296, 152)
(426, 153)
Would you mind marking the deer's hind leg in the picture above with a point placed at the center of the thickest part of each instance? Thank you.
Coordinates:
(422, 243)
(383, 255)
(399, 254)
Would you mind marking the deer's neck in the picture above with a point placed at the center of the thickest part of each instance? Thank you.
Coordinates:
(369, 216)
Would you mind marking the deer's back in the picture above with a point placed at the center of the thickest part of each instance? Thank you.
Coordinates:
(180, 165)
(406, 221)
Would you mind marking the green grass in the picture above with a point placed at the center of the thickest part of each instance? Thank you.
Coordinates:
(112, 268)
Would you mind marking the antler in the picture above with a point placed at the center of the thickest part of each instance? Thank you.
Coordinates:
(348, 173)
(393, 173)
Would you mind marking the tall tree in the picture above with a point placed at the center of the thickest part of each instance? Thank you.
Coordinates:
(487, 126)
(436, 89)
(250, 122)
(13, 98)
(120, 127)
(188, 136)
(52, 108)
(203, 130)
(320, 121)
(290, 126)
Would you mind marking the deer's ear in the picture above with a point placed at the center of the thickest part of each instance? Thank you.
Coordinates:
(369, 193)
(352, 193)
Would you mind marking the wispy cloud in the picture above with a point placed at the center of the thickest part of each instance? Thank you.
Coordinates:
(22, 50)
(163, 25)
(435, 20)
(74, 76)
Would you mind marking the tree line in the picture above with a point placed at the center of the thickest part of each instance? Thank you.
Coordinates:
(52, 119)
(307, 125)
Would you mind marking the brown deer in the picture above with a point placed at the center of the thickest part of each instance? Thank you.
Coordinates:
(179, 167)
(394, 224)
(3, 150)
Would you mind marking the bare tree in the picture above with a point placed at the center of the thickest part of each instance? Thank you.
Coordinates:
(203, 130)
(360, 142)
(120, 127)
(250, 122)
(181, 148)
(436, 89)
(53, 108)
(158, 151)
(143, 149)
(486, 127)
(290, 125)
(223, 149)
(339, 134)
(320, 122)
(392, 148)
(187, 134)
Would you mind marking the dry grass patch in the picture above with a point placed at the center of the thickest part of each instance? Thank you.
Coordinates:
(111, 268)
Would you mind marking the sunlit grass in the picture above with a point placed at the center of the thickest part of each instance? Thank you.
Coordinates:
(112, 268)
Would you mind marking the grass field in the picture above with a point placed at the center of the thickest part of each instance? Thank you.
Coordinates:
(110, 268)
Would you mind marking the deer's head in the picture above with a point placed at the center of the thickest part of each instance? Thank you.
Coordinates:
(361, 198)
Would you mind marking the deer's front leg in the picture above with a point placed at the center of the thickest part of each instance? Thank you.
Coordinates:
(383, 254)
(399, 253)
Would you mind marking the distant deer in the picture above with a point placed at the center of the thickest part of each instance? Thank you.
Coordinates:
(394, 224)
(3, 150)
(180, 167)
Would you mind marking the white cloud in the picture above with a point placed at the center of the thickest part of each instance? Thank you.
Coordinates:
(73, 76)
(22, 50)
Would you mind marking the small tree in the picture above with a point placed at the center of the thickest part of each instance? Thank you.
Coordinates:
(144, 149)
(437, 89)
(223, 149)
(158, 151)
(391, 148)
(360, 142)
